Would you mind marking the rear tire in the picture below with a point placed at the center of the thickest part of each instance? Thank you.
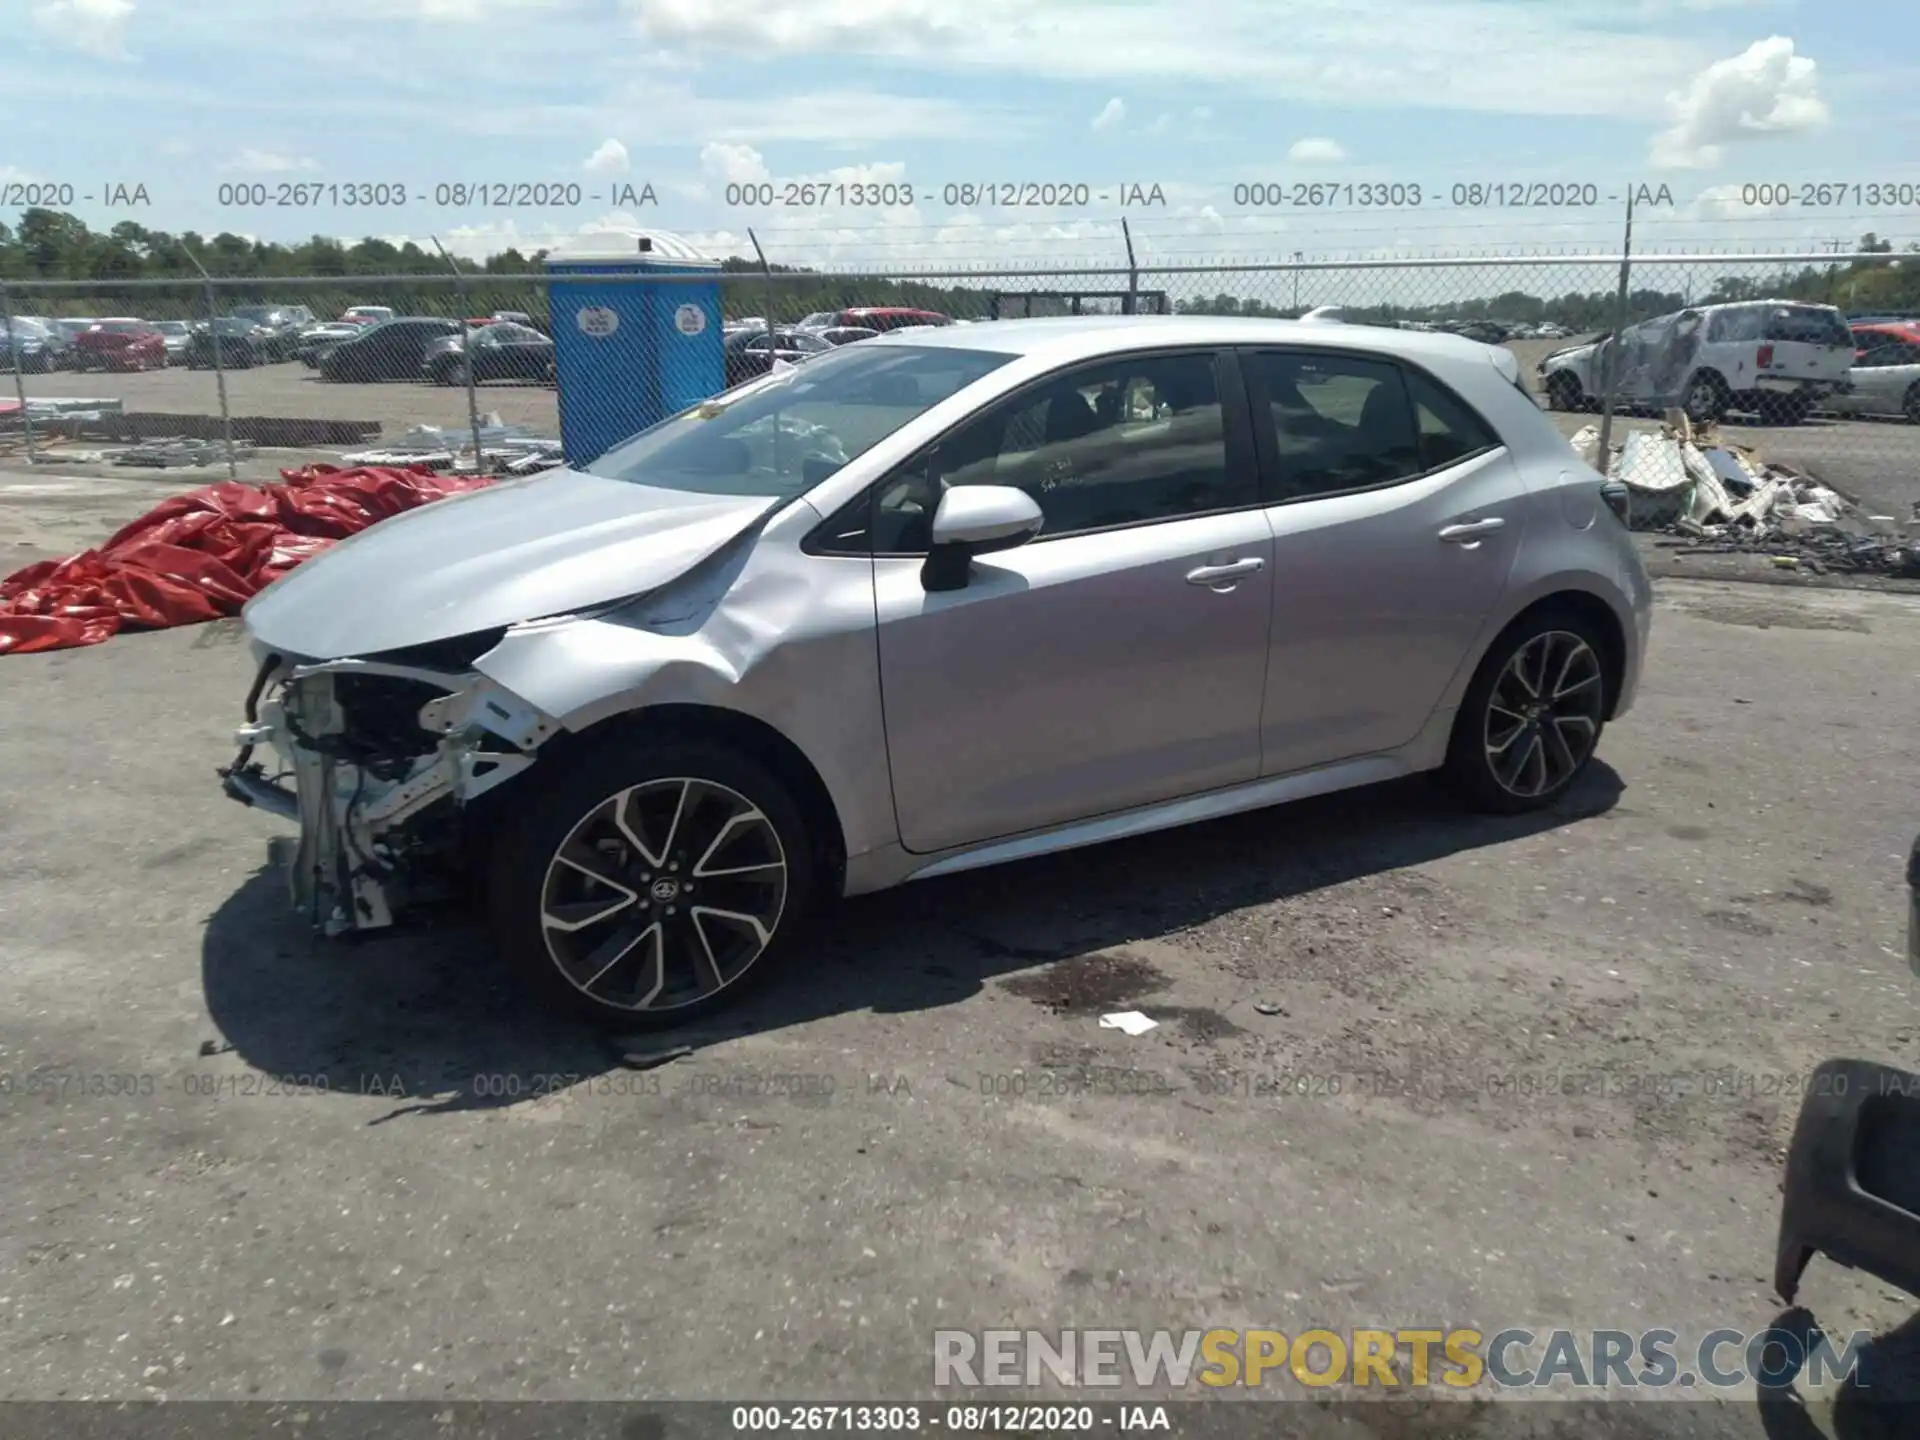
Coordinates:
(1911, 405)
(1706, 400)
(650, 882)
(1563, 391)
(1532, 718)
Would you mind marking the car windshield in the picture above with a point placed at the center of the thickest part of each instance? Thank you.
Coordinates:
(28, 329)
(786, 435)
(256, 313)
(172, 327)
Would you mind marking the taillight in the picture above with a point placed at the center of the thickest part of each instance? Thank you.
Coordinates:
(1618, 500)
(1765, 357)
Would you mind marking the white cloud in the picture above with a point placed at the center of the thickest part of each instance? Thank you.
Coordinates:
(1316, 150)
(732, 163)
(1111, 114)
(175, 148)
(609, 159)
(95, 26)
(268, 162)
(1766, 90)
(1484, 55)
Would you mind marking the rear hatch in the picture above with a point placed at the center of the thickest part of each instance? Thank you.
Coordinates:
(1805, 342)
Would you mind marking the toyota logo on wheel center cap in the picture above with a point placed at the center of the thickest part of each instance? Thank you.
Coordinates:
(665, 889)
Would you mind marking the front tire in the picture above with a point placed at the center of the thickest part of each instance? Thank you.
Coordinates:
(1532, 718)
(650, 882)
(1910, 406)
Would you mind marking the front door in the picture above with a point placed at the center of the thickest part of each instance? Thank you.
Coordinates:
(1117, 659)
(1397, 515)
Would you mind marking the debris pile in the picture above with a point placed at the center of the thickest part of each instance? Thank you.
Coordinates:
(1725, 499)
(172, 454)
(511, 449)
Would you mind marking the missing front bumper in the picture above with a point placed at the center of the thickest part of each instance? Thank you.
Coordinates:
(375, 826)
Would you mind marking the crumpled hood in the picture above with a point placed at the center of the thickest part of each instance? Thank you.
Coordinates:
(518, 550)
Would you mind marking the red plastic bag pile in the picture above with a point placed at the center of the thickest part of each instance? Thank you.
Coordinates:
(202, 555)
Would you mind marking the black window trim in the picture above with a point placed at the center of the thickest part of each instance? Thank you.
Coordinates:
(1268, 447)
(1236, 418)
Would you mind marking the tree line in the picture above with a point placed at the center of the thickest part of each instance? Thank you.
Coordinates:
(52, 245)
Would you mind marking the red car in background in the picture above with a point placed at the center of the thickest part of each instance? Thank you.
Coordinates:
(121, 345)
(1873, 335)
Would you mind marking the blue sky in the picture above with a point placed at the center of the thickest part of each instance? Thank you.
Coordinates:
(1192, 96)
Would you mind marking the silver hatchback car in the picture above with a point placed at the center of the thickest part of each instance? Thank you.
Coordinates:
(932, 602)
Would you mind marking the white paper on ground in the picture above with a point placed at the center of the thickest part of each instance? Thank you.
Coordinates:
(1131, 1021)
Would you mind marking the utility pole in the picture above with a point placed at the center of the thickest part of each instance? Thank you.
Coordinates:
(1611, 365)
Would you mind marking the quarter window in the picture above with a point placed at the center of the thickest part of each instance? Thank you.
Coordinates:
(1338, 422)
(1450, 431)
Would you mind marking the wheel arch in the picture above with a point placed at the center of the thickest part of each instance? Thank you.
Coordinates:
(1604, 615)
(754, 737)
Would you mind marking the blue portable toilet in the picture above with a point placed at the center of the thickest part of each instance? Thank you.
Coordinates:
(630, 352)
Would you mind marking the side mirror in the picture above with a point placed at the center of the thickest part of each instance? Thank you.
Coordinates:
(976, 520)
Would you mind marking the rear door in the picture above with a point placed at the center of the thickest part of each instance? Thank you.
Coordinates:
(1397, 515)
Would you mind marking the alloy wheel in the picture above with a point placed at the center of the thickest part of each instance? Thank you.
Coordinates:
(1544, 715)
(664, 894)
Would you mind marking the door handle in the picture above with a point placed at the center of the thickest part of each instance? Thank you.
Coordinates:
(1472, 529)
(1226, 574)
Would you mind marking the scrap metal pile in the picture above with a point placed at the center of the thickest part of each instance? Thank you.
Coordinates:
(504, 449)
(1724, 499)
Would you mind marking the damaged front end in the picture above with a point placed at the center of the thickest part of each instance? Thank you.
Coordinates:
(379, 762)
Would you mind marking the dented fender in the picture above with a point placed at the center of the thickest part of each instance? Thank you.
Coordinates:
(763, 630)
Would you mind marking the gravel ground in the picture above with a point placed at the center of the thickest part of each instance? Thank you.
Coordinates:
(923, 1125)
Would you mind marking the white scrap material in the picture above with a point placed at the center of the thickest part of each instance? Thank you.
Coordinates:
(1586, 444)
(1131, 1022)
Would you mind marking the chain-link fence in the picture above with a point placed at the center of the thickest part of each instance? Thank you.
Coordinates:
(1740, 397)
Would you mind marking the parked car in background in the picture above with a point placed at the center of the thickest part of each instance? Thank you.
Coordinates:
(318, 339)
(236, 344)
(390, 350)
(886, 317)
(1884, 381)
(1775, 359)
(748, 353)
(845, 334)
(502, 317)
(366, 314)
(32, 347)
(174, 334)
(496, 352)
(282, 324)
(71, 328)
(122, 345)
(1323, 556)
(1872, 335)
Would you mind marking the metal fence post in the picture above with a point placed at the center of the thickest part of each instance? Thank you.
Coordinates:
(1612, 371)
(1133, 271)
(19, 379)
(219, 366)
(466, 354)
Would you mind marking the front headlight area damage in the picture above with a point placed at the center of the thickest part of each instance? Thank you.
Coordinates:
(378, 761)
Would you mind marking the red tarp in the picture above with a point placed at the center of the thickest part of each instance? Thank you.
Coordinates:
(200, 556)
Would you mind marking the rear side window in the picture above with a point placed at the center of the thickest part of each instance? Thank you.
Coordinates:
(1808, 325)
(1450, 431)
(1337, 422)
(1737, 326)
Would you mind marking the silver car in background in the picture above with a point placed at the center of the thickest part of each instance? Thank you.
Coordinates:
(1883, 381)
(932, 602)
